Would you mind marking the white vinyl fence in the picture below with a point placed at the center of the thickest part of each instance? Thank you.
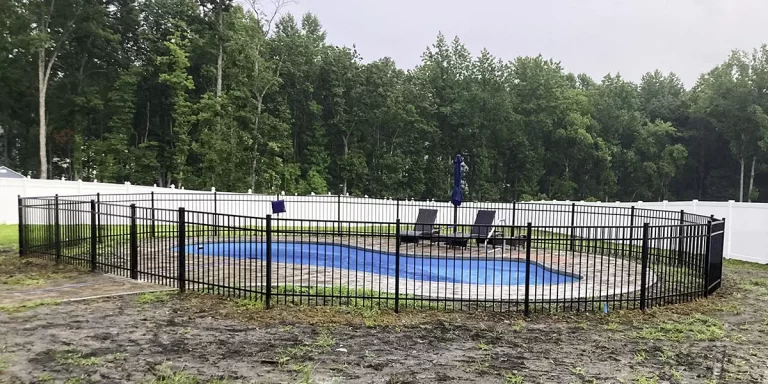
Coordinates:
(746, 223)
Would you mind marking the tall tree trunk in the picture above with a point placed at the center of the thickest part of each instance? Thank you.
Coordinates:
(256, 143)
(741, 181)
(751, 180)
(220, 59)
(41, 87)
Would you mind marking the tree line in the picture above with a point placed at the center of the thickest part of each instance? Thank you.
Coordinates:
(216, 93)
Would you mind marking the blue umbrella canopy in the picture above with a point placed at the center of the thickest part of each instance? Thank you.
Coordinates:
(456, 194)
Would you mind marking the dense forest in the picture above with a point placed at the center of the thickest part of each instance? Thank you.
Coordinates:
(227, 94)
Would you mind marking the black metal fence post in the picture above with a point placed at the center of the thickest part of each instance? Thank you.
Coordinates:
(707, 257)
(644, 268)
(134, 245)
(268, 293)
(21, 227)
(680, 238)
(573, 225)
(49, 227)
(397, 209)
(631, 230)
(181, 245)
(722, 251)
(98, 217)
(397, 266)
(527, 303)
(93, 236)
(152, 215)
(57, 229)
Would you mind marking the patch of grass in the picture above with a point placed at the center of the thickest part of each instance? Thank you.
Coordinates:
(640, 356)
(27, 306)
(738, 264)
(729, 307)
(578, 371)
(512, 378)
(250, 304)
(154, 297)
(759, 286)
(22, 280)
(341, 295)
(74, 380)
(695, 327)
(759, 282)
(287, 354)
(45, 377)
(164, 374)
(325, 340)
(76, 358)
(9, 237)
(481, 365)
(483, 346)
(643, 379)
(5, 361)
(117, 356)
(736, 338)
(322, 343)
(664, 355)
(304, 372)
(676, 376)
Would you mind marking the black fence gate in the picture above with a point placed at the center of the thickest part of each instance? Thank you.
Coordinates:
(715, 256)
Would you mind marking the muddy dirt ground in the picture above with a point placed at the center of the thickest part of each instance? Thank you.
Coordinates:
(172, 338)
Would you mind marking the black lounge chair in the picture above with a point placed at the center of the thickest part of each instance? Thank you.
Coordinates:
(482, 231)
(424, 228)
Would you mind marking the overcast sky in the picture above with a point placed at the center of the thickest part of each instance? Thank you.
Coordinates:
(632, 37)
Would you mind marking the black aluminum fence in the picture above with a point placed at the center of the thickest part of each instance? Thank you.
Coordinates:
(336, 250)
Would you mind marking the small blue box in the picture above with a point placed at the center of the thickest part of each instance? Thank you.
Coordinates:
(278, 206)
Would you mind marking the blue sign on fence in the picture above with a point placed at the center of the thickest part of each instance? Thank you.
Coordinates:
(278, 206)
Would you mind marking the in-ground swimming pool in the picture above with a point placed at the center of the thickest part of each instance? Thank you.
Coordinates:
(319, 255)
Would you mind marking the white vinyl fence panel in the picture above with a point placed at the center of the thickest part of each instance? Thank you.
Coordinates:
(746, 223)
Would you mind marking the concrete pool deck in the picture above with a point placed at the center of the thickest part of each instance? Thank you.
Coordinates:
(600, 276)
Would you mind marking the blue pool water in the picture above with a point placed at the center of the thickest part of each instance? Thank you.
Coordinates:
(468, 271)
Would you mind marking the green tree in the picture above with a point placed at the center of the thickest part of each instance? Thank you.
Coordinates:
(179, 84)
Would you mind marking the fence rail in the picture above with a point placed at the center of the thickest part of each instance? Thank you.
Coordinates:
(532, 257)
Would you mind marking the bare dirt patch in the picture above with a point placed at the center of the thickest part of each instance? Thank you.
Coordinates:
(166, 337)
